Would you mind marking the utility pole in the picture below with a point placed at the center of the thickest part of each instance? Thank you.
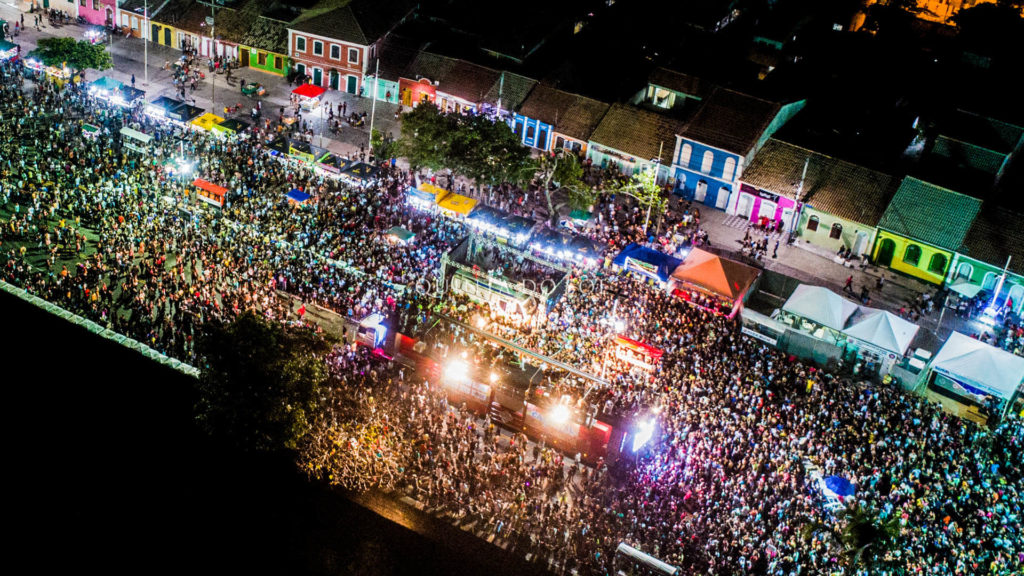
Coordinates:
(373, 105)
(213, 52)
(146, 39)
(799, 192)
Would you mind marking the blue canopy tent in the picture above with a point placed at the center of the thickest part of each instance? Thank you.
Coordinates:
(646, 262)
(297, 196)
(840, 486)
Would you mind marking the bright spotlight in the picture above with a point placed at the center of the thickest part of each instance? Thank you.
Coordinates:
(494, 377)
(559, 414)
(456, 371)
(643, 434)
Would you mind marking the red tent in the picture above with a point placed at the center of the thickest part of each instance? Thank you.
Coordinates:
(714, 274)
(309, 91)
(209, 187)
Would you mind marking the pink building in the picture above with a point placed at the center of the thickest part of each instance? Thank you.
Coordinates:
(97, 11)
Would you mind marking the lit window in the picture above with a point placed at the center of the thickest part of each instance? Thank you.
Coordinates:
(730, 169)
(707, 161)
(684, 155)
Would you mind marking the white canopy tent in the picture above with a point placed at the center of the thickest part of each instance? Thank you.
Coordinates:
(882, 329)
(978, 368)
(820, 305)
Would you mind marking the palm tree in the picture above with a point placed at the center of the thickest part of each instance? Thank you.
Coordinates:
(866, 539)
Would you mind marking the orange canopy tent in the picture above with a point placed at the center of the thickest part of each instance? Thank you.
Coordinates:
(715, 275)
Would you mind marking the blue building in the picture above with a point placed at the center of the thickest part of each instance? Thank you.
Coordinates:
(720, 140)
(548, 119)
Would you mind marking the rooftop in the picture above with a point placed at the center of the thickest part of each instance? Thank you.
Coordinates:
(832, 185)
(570, 114)
(356, 21)
(930, 213)
(679, 82)
(996, 234)
(459, 78)
(638, 132)
(731, 121)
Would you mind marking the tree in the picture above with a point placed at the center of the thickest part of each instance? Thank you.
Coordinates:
(426, 137)
(561, 170)
(384, 147)
(77, 55)
(260, 382)
(487, 151)
(866, 539)
(643, 187)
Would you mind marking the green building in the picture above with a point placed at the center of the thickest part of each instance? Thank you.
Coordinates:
(265, 46)
(923, 227)
(995, 237)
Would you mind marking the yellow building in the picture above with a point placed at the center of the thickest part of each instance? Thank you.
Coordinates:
(922, 228)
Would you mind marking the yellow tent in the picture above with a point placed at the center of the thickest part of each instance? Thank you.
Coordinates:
(458, 204)
(436, 191)
(207, 121)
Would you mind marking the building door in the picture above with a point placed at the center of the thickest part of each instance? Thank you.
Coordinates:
(46, 3)
(787, 218)
(745, 204)
(989, 283)
(1017, 295)
(335, 79)
(767, 210)
(154, 35)
(859, 242)
(702, 191)
(885, 251)
(352, 85)
(167, 36)
(243, 59)
(110, 17)
(318, 76)
(722, 198)
(542, 137)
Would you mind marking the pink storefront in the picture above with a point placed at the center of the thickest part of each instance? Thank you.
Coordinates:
(761, 206)
(97, 11)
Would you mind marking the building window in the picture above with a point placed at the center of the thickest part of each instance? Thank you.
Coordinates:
(278, 63)
(335, 52)
(530, 130)
(353, 55)
(937, 264)
(261, 58)
(812, 224)
(730, 169)
(559, 142)
(96, 5)
(707, 161)
(837, 230)
(301, 69)
(81, 2)
(300, 43)
(913, 255)
(684, 155)
(318, 48)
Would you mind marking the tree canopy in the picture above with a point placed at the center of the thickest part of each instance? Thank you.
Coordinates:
(78, 55)
(643, 187)
(259, 384)
(468, 145)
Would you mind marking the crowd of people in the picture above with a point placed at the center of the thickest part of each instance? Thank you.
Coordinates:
(722, 487)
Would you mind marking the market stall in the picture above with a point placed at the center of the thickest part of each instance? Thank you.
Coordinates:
(361, 171)
(647, 263)
(159, 107)
(8, 50)
(104, 88)
(561, 247)
(712, 282)
(91, 130)
(207, 121)
(504, 227)
(184, 113)
(972, 370)
(637, 354)
(209, 192)
(333, 163)
(297, 197)
(400, 235)
(309, 96)
(457, 205)
(303, 151)
(135, 140)
(426, 196)
(277, 145)
(878, 338)
(817, 311)
(59, 75)
(127, 96)
(231, 127)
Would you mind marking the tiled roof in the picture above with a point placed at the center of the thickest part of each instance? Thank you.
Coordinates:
(930, 213)
(465, 80)
(395, 54)
(996, 234)
(267, 34)
(988, 133)
(731, 121)
(172, 12)
(570, 114)
(232, 25)
(832, 185)
(683, 83)
(512, 91)
(356, 21)
(637, 132)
